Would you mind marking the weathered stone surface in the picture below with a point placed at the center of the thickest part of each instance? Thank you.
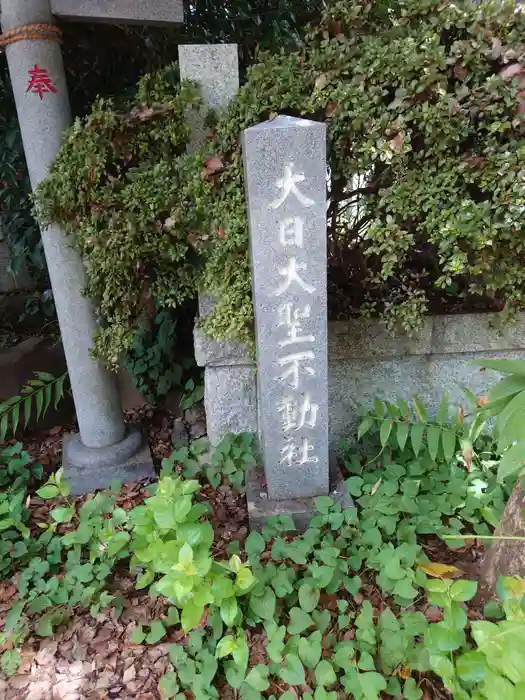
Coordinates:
(179, 434)
(302, 510)
(87, 469)
(215, 67)
(163, 12)
(507, 557)
(476, 333)
(219, 353)
(361, 339)
(230, 401)
(285, 174)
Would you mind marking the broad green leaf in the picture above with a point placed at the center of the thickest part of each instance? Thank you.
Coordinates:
(463, 590)
(63, 514)
(416, 437)
(440, 638)
(226, 646)
(325, 674)
(117, 542)
(517, 403)
(308, 597)
(364, 426)
(471, 666)
(299, 621)
(229, 609)
(292, 672)
(402, 434)
(510, 427)
(444, 668)
(512, 461)
(385, 430)
(433, 435)
(191, 615)
(498, 687)
(48, 491)
(503, 366)
(506, 388)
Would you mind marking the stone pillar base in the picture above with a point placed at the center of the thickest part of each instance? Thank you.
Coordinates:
(302, 510)
(87, 469)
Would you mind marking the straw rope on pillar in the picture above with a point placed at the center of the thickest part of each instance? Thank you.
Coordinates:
(31, 32)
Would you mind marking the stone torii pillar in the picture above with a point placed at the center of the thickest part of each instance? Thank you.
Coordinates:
(105, 448)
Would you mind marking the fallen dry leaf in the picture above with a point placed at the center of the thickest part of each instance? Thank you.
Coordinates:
(213, 165)
(331, 108)
(321, 81)
(511, 71)
(438, 570)
(396, 144)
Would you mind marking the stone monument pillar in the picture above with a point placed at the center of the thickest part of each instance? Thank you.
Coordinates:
(285, 179)
(104, 449)
(230, 399)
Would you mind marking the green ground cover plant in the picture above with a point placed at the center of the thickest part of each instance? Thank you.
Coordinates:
(358, 604)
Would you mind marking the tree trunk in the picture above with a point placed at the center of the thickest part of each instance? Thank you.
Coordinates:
(507, 557)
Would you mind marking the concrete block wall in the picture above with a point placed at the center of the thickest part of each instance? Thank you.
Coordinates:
(365, 362)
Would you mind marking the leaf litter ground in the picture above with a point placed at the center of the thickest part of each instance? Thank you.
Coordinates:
(93, 658)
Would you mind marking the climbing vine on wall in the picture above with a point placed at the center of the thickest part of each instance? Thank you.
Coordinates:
(426, 156)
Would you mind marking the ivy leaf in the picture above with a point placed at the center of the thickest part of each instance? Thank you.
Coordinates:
(299, 621)
(411, 691)
(325, 674)
(257, 678)
(168, 685)
(354, 485)
(10, 662)
(371, 685)
(156, 632)
(404, 589)
(254, 544)
(310, 649)
(138, 635)
(308, 597)
(293, 670)
(264, 605)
